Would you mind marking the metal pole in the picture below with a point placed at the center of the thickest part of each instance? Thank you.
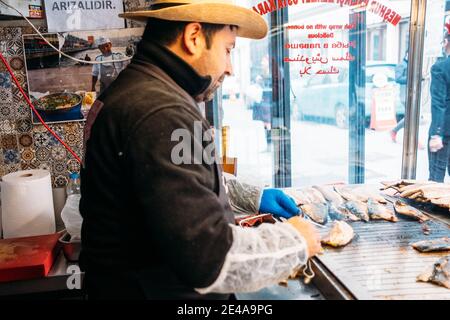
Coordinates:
(281, 118)
(357, 99)
(414, 88)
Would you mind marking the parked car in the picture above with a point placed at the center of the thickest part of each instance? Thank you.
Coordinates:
(326, 97)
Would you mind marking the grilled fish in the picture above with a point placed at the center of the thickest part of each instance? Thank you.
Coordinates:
(358, 208)
(297, 195)
(314, 195)
(438, 274)
(442, 202)
(406, 210)
(340, 234)
(441, 244)
(377, 211)
(330, 195)
(399, 184)
(316, 211)
(336, 213)
(347, 193)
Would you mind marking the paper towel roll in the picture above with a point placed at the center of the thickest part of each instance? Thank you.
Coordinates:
(27, 204)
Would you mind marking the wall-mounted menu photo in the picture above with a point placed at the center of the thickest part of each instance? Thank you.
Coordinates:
(63, 89)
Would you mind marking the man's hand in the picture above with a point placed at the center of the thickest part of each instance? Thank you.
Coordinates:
(436, 143)
(276, 202)
(309, 232)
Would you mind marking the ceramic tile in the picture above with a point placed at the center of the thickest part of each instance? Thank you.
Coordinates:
(24, 125)
(7, 111)
(17, 63)
(58, 153)
(25, 140)
(27, 155)
(8, 141)
(22, 110)
(43, 154)
(9, 168)
(59, 168)
(5, 80)
(14, 47)
(44, 165)
(10, 33)
(11, 156)
(60, 181)
(72, 139)
(7, 126)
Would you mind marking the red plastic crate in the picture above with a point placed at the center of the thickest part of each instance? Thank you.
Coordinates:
(28, 257)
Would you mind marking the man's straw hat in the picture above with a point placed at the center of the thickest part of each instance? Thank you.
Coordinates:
(250, 24)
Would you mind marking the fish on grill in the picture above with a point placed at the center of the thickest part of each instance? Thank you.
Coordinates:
(442, 202)
(401, 184)
(439, 273)
(330, 195)
(341, 233)
(435, 245)
(297, 195)
(318, 212)
(359, 192)
(378, 211)
(358, 209)
(411, 212)
(347, 193)
(314, 195)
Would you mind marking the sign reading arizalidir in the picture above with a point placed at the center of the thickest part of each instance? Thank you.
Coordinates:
(64, 15)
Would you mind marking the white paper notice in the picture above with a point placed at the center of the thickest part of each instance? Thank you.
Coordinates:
(64, 15)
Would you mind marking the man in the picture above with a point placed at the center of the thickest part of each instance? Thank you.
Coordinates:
(157, 223)
(106, 71)
(439, 134)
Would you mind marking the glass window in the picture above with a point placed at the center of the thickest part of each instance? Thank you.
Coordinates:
(435, 92)
(345, 86)
(247, 111)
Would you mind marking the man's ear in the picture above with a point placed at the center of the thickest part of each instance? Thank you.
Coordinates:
(193, 38)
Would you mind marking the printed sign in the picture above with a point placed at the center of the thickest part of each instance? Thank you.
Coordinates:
(63, 15)
(29, 8)
(383, 108)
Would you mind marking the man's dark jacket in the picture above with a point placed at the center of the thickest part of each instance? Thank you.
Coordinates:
(440, 98)
(151, 228)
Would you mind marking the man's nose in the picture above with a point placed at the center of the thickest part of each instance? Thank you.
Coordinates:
(229, 68)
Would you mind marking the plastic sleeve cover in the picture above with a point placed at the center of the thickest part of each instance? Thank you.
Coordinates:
(260, 257)
(243, 197)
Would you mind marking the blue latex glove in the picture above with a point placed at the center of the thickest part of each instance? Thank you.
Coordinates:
(276, 202)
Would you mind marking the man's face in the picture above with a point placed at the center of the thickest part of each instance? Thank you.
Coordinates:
(105, 48)
(216, 61)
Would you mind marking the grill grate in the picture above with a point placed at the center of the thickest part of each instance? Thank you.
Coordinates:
(381, 264)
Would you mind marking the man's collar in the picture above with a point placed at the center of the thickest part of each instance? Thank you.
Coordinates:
(175, 67)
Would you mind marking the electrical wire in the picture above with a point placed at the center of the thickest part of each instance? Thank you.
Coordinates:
(56, 49)
(34, 109)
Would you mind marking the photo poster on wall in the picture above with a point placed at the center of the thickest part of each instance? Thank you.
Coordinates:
(68, 16)
(61, 88)
(29, 8)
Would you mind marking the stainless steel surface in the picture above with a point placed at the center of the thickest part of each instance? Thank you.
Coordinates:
(381, 264)
(296, 290)
(415, 58)
(330, 287)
